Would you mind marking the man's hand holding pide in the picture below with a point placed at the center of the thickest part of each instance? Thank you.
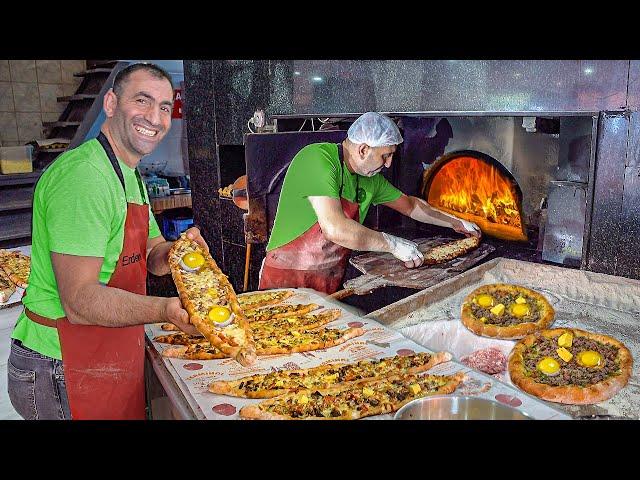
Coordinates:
(404, 250)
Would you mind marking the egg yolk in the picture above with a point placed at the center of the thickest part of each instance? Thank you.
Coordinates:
(548, 366)
(589, 358)
(520, 309)
(193, 260)
(219, 314)
(485, 300)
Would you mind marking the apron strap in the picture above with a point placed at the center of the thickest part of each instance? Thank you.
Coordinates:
(116, 166)
(341, 157)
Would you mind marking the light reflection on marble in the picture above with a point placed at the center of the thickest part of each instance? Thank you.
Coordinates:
(466, 85)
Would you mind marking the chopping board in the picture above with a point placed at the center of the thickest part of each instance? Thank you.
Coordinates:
(383, 269)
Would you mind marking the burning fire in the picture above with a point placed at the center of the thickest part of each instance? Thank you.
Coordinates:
(477, 191)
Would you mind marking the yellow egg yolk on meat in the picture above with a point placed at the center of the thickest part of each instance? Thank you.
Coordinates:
(193, 260)
(564, 354)
(565, 340)
(521, 300)
(498, 309)
(219, 314)
(485, 301)
(589, 358)
(520, 309)
(549, 366)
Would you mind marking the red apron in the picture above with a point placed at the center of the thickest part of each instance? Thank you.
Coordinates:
(104, 366)
(310, 261)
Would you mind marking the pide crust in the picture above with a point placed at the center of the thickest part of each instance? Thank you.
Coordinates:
(570, 394)
(449, 251)
(261, 299)
(307, 341)
(240, 345)
(469, 320)
(326, 376)
(16, 266)
(349, 400)
(6, 287)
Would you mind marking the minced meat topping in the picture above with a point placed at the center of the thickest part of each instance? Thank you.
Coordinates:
(571, 372)
(506, 318)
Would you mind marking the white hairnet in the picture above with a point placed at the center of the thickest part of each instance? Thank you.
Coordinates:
(374, 129)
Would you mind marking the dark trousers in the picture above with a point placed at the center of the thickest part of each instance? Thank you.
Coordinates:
(36, 385)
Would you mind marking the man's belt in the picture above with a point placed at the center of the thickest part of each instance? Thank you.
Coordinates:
(34, 317)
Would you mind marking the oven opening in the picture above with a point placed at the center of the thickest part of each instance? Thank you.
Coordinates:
(476, 187)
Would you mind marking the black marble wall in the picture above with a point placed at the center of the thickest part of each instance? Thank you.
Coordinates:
(221, 95)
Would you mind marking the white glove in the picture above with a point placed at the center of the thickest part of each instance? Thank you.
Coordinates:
(404, 250)
(468, 228)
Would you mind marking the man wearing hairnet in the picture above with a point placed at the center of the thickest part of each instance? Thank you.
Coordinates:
(326, 194)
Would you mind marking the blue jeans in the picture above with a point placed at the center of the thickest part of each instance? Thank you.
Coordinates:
(36, 385)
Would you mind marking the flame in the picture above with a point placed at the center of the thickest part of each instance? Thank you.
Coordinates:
(477, 191)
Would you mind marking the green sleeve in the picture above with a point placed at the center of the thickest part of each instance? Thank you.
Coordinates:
(312, 173)
(384, 191)
(79, 213)
(154, 231)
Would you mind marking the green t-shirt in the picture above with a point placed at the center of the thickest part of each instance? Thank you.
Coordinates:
(315, 171)
(79, 208)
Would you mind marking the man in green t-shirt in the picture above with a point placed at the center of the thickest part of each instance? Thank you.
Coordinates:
(78, 348)
(327, 191)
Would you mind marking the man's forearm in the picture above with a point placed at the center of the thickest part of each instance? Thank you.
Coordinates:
(112, 307)
(352, 235)
(157, 259)
(423, 212)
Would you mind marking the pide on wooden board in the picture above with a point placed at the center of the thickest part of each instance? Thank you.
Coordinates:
(449, 251)
(209, 298)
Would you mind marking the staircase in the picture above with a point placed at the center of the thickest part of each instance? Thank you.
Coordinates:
(70, 130)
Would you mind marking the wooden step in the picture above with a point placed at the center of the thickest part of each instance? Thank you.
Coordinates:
(16, 199)
(92, 71)
(61, 124)
(78, 96)
(51, 150)
(20, 178)
(11, 231)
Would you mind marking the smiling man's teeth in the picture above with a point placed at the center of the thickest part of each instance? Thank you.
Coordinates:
(144, 131)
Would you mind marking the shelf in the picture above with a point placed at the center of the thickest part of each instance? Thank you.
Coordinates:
(20, 178)
(160, 204)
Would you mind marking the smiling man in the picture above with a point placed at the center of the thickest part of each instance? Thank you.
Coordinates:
(327, 191)
(78, 348)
